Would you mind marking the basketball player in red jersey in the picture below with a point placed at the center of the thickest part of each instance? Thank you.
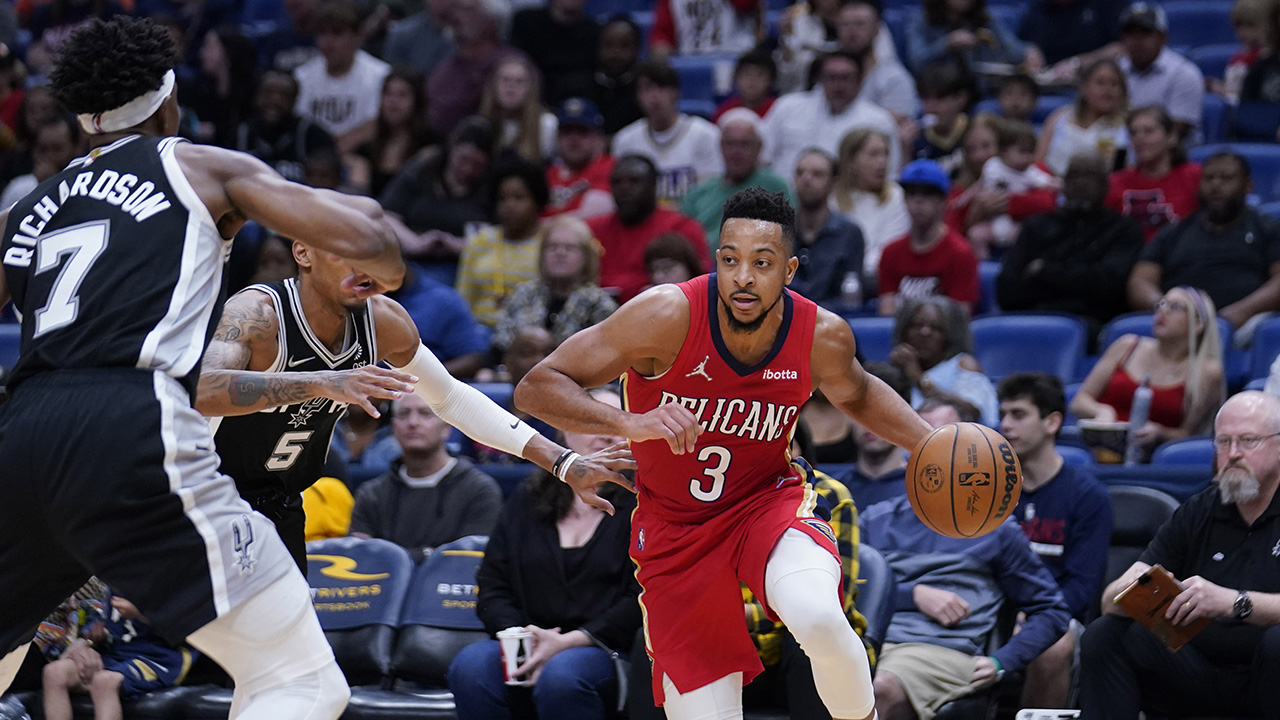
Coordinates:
(714, 373)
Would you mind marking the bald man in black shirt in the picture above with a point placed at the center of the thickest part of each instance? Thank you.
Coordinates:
(1224, 545)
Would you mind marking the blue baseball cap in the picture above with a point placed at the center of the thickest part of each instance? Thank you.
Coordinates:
(925, 173)
(580, 111)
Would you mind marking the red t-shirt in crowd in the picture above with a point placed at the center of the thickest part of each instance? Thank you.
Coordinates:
(949, 268)
(1155, 202)
(622, 265)
(1021, 206)
(568, 187)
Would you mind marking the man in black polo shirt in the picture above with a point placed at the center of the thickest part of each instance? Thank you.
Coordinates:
(1224, 545)
(1226, 249)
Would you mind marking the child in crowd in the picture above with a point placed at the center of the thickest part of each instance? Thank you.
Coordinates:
(944, 89)
(99, 643)
(1249, 18)
(1013, 171)
(1017, 97)
(753, 81)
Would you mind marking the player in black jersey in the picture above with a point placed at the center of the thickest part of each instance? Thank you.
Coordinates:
(115, 265)
(286, 360)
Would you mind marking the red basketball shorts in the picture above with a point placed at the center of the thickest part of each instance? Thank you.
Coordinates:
(694, 619)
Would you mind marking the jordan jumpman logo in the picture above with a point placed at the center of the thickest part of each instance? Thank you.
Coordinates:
(701, 369)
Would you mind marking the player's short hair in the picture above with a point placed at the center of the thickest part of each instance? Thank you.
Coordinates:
(1041, 389)
(759, 204)
(107, 63)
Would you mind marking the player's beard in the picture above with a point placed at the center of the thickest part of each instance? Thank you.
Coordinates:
(746, 328)
(1237, 484)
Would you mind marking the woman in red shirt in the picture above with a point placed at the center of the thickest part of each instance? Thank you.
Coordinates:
(968, 204)
(1182, 365)
(1162, 187)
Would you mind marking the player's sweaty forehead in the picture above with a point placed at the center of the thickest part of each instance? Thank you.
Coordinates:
(748, 235)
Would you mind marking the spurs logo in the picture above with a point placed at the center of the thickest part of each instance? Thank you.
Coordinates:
(701, 369)
(242, 543)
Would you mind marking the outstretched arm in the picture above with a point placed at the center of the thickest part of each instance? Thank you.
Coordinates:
(644, 334)
(237, 186)
(246, 338)
(861, 396)
(481, 419)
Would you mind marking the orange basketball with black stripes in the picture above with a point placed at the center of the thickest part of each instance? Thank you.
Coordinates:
(963, 480)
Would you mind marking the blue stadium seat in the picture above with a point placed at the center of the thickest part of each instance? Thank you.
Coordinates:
(1264, 162)
(702, 108)
(499, 392)
(1016, 342)
(1045, 105)
(358, 588)
(1070, 390)
(1188, 451)
(1076, 456)
(1139, 323)
(1214, 116)
(1255, 122)
(874, 336)
(1212, 59)
(509, 475)
(988, 270)
(1193, 23)
(1265, 347)
(606, 8)
(1271, 209)
(1180, 481)
(10, 342)
(698, 75)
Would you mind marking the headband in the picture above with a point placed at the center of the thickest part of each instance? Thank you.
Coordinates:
(131, 113)
(1202, 308)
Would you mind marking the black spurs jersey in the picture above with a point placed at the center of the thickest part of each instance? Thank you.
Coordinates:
(284, 449)
(115, 263)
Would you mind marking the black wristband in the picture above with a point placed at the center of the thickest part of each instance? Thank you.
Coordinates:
(555, 466)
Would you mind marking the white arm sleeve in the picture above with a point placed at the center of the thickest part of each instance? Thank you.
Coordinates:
(466, 408)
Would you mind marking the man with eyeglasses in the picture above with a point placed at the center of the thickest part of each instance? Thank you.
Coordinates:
(1224, 546)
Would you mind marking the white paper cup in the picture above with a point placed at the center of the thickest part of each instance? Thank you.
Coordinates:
(515, 650)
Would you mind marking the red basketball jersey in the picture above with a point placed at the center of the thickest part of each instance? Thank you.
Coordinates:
(746, 412)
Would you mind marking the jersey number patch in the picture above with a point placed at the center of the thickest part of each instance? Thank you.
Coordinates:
(84, 243)
(288, 448)
(716, 473)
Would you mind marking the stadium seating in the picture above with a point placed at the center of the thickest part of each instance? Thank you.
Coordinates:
(704, 77)
(1017, 342)
(509, 475)
(1179, 481)
(1188, 451)
(439, 619)
(1214, 118)
(1139, 323)
(1076, 456)
(987, 272)
(874, 336)
(1138, 514)
(1255, 122)
(1264, 161)
(1212, 59)
(1193, 23)
(876, 593)
(1265, 347)
(1271, 209)
(1045, 105)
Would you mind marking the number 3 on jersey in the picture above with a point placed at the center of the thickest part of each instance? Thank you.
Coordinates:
(716, 473)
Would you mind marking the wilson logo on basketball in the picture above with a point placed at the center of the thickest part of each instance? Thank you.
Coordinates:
(931, 479)
(1010, 479)
(780, 375)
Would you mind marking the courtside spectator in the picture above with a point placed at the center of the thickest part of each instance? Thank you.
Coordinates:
(933, 348)
(880, 472)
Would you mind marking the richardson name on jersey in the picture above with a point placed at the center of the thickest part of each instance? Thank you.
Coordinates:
(734, 416)
(123, 191)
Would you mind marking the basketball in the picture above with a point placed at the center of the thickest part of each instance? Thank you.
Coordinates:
(963, 480)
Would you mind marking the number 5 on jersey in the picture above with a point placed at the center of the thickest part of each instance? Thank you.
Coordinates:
(288, 448)
(716, 474)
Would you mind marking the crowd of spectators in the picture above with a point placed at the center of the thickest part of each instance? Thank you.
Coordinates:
(541, 165)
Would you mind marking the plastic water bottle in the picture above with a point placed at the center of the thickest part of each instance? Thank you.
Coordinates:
(1138, 413)
(851, 291)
